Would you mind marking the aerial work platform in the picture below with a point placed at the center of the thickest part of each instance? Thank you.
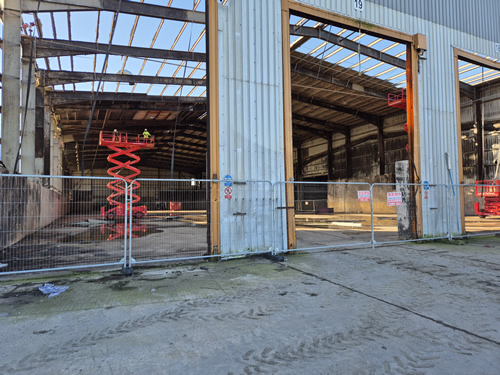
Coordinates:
(124, 145)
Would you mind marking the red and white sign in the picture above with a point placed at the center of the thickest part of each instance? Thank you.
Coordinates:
(363, 196)
(394, 198)
(228, 192)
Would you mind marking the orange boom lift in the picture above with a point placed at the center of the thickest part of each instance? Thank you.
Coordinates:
(124, 145)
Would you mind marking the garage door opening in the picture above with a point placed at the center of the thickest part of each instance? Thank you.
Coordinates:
(351, 124)
(478, 100)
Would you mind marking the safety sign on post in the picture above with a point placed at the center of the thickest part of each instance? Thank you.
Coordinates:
(363, 195)
(426, 190)
(394, 198)
(228, 190)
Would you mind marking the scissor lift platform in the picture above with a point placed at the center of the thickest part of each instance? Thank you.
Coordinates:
(490, 191)
(124, 145)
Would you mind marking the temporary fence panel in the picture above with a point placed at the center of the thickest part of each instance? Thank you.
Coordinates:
(47, 228)
(247, 217)
(171, 220)
(481, 208)
(396, 217)
(331, 214)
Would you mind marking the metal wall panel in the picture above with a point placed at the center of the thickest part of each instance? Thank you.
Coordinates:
(251, 122)
(478, 18)
(436, 79)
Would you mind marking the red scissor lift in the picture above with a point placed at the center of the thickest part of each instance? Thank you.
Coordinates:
(490, 191)
(124, 145)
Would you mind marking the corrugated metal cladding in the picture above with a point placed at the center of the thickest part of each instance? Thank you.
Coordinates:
(250, 123)
(436, 83)
(474, 17)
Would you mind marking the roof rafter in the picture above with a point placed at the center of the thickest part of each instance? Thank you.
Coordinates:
(372, 119)
(338, 82)
(57, 47)
(51, 78)
(59, 97)
(348, 44)
(128, 7)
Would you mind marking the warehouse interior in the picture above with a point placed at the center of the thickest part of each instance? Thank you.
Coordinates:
(340, 81)
(108, 76)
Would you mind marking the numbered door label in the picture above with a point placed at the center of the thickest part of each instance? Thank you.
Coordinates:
(359, 5)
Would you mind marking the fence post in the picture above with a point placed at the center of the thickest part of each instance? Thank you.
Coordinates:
(448, 205)
(127, 265)
(371, 213)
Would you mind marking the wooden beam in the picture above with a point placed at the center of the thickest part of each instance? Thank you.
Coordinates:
(127, 7)
(51, 78)
(212, 38)
(338, 82)
(59, 47)
(368, 117)
(322, 15)
(287, 126)
(477, 60)
(347, 44)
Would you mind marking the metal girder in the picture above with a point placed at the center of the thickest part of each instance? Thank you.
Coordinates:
(317, 132)
(139, 106)
(467, 90)
(330, 125)
(59, 47)
(338, 82)
(51, 78)
(372, 119)
(59, 97)
(195, 125)
(128, 7)
(348, 44)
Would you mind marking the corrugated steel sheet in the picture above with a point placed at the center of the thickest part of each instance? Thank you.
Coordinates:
(478, 18)
(251, 122)
(438, 128)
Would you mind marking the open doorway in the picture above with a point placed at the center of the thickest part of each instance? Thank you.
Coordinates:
(351, 122)
(478, 100)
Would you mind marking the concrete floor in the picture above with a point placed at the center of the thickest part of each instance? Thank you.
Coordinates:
(412, 309)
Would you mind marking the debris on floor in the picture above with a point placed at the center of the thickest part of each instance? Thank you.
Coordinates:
(52, 290)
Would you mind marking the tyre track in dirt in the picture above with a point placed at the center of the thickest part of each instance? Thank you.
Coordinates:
(400, 307)
(186, 311)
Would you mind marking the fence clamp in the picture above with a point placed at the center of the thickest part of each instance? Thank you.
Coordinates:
(237, 213)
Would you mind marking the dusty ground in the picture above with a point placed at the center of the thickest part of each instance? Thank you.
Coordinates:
(415, 309)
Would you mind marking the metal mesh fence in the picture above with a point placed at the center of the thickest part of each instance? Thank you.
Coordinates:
(396, 217)
(175, 223)
(481, 208)
(331, 214)
(56, 222)
(50, 222)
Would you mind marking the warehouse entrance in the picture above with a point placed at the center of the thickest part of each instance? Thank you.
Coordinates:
(349, 117)
(478, 126)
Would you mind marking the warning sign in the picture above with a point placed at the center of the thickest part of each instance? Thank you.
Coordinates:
(394, 199)
(228, 192)
(363, 196)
